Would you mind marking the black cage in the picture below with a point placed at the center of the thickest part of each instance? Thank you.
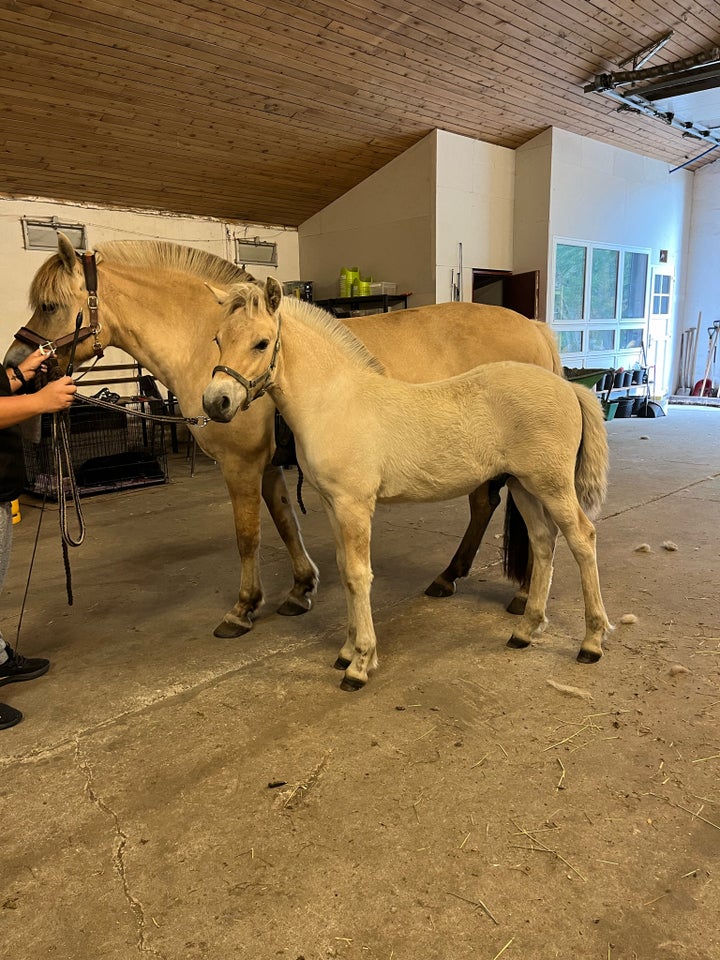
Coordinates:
(109, 450)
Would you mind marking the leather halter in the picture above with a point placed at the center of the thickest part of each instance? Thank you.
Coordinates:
(262, 380)
(29, 337)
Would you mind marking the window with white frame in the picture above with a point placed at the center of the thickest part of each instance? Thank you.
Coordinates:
(600, 304)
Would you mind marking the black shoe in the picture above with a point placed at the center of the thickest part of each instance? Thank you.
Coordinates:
(9, 716)
(17, 667)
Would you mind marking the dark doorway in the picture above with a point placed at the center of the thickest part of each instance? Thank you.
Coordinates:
(501, 288)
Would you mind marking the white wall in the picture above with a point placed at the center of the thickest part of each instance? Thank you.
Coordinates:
(702, 288)
(474, 207)
(18, 266)
(385, 226)
(531, 219)
(603, 194)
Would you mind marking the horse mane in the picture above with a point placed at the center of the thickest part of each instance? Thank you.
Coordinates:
(251, 297)
(53, 284)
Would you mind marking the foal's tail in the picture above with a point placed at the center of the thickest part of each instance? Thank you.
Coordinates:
(591, 467)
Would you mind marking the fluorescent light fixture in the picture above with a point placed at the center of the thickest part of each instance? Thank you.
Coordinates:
(256, 251)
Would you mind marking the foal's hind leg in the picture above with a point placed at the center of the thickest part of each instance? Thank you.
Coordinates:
(483, 503)
(543, 535)
(580, 535)
(305, 573)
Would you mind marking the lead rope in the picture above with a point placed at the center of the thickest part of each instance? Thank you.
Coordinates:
(66, 485)
(298, 490)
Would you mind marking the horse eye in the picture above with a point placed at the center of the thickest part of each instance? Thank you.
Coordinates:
(48, 307)
(262, 345)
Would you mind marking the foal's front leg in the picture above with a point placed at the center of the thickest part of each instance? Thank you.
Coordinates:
(351, 523)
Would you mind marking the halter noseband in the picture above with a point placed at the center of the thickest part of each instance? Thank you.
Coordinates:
(260, 381)
(32, 339)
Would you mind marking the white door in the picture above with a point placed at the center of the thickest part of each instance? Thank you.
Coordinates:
(659, 329)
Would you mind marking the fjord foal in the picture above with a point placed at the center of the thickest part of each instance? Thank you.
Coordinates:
(363, 437)
(153, 303)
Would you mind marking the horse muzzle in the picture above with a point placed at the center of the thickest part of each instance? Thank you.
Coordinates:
(222, 400)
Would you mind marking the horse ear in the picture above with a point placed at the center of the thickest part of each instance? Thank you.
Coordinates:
(273, 293)
(67, 252)
(220, 295)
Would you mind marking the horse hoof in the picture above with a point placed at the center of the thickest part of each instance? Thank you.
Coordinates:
(517, 643)
(341, 663)
(227, 629)
(588, 656)
(517, 606)
(441, 588)
(350, 683)
(292, 607)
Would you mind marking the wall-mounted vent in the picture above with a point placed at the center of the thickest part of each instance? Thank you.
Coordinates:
(256, 251)
(41, 233)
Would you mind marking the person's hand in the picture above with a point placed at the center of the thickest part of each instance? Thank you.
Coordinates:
(31, 364)
(57, 395)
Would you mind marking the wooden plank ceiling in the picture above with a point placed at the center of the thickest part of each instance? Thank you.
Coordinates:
(266, 112)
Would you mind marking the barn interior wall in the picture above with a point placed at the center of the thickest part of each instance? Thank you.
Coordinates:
(384, 226)
(702, 287)
(531, 213)
(603, 194)
(20, 265)
(474, 207)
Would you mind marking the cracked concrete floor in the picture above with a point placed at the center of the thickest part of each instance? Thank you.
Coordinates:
(459, 806)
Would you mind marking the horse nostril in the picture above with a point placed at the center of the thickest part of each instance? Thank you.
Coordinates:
(225, 404)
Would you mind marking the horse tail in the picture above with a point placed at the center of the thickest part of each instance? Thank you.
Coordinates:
(551, 340)
(591, 467)
(516, 543)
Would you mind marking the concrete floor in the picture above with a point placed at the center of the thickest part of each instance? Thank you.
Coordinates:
(431, 815)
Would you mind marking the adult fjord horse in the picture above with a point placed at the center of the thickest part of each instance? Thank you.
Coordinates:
(363, 437)
(154, 304)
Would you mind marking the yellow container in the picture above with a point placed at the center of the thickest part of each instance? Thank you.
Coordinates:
(16, 517)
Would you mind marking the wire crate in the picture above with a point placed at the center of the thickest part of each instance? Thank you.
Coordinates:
(109, 450)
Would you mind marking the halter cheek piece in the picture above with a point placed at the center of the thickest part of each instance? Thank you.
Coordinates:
(32, 339)
(262, 381)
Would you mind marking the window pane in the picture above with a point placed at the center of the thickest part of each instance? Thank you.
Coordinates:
(569, 282)
(633, 288)
(570, 341)
(603, 284)
(661, 283)
(601, 339)
(631, 338)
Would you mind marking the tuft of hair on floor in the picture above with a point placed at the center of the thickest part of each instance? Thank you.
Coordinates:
(643, 548)
(628, 618)
(570, 691)
(677, 668)
(669, 545)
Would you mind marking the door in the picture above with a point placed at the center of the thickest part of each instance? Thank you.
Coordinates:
(659, 328)
(516, 291)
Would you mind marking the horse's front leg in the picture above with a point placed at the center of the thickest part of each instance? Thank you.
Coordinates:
(305, 573)
(351, 524)
(244, 479)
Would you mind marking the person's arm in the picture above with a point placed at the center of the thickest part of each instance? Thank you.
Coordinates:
(57, 395)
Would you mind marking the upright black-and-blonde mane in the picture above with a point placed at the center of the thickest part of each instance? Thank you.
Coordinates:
(251, 298)
(54, 284)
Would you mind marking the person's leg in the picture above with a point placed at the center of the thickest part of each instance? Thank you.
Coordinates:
(13, 666)
(9, 716)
